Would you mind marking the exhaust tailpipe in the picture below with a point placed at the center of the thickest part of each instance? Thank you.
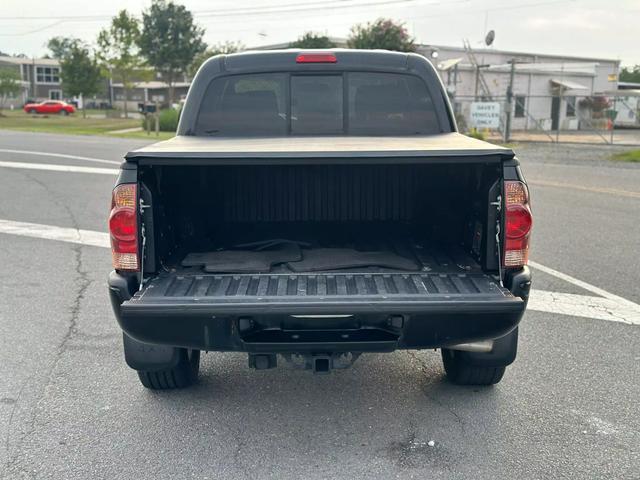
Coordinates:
(484, 346)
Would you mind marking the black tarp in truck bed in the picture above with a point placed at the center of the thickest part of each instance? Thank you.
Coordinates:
(339, 147)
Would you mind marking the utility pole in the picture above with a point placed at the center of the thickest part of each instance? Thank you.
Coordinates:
(478, 67)
(455, 85)
(33, 79)
(613, 112)
(507, 125)
(560, 91)
(475, 95)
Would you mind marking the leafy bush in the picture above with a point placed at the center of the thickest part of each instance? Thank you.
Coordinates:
(461, 121)
(383, 33)
(9, 85)
(312, 40)
(168, 120)
(475, 133)
(597, 104)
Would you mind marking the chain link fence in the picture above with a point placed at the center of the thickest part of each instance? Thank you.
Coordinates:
(612, 119)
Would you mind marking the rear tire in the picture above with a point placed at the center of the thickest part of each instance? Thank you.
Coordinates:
(64, 113)
(462, 372)
(184, 374)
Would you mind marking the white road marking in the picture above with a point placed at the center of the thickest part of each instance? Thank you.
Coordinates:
(59, 168)
(606, 306)
(60, 155)
(584, 306)
(582, 284)
(597, 424)
(50, 232)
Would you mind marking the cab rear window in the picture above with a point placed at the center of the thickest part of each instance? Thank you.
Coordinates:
(351, 103)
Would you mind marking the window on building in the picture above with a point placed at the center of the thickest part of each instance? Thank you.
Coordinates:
(520, 106)
(571, 106)
(47, 75)
(55, 95)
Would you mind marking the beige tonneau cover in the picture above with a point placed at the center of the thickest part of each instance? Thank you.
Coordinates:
(338, 147)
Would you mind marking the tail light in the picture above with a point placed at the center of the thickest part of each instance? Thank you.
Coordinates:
(518, 224)
(123, 228)
(316, 58)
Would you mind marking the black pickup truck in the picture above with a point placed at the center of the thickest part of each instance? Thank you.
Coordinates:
(315, 206)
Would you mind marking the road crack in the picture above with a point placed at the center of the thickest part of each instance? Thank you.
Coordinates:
(82, 282)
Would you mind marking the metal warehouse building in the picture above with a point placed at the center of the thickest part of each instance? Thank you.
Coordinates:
(550, 92)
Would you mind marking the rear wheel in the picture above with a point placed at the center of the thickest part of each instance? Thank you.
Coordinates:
(462, 372)
(183, 374)
(63, 112)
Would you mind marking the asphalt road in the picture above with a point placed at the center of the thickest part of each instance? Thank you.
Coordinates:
(71, 409)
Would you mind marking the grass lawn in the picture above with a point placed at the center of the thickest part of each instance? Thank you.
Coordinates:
(628, 156)
(75, 124)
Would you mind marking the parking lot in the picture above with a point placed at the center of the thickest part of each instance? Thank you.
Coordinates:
(71, 408)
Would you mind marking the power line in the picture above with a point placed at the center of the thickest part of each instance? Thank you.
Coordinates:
(493, 9)
(244, 12)
(32, 31)
(337, 11)
(220, 12)
(323, 6)
(283, 9)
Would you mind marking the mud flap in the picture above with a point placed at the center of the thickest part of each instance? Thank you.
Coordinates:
(149, 357)
(503, 353)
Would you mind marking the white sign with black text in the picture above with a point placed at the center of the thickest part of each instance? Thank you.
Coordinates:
(485, 114)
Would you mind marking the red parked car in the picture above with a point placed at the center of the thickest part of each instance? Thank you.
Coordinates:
(50, 106)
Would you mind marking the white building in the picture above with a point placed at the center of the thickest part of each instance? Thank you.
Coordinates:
(39, 79)
(548, 89)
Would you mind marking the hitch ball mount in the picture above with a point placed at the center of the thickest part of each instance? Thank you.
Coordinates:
(319, 363)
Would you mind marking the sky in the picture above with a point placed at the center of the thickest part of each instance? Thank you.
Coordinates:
(590, 28)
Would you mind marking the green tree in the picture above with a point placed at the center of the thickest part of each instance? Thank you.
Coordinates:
(80, 72)
(9, 85)
(383, 33)
(217, 49)
(170, 40)
(61, 46)
(630, 74)
(118, 51)
(312, 40)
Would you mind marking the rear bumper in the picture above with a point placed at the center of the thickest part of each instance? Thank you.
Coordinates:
(325, 325)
